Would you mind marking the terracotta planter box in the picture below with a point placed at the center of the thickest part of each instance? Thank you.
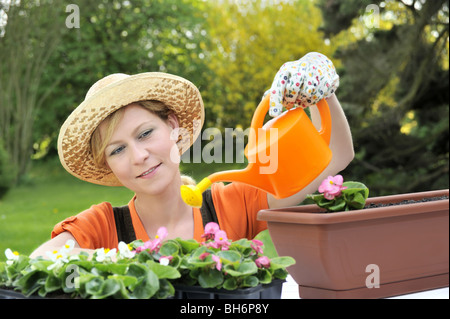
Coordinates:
(408, 243)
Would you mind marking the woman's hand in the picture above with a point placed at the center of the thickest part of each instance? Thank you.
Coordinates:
(303, 83)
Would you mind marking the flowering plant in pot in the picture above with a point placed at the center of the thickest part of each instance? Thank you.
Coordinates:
(337, 196)
(218, 264)
(368, 247)
(142, 270)
(108, 273)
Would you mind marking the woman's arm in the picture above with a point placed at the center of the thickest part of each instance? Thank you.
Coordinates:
(56, 244)
(341, 145)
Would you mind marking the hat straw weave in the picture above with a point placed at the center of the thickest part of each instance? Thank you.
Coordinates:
(110, 94)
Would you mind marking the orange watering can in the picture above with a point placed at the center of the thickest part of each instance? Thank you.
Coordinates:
(283, 156)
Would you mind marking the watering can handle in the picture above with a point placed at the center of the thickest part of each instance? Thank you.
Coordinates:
(325, 117)
(322, 106)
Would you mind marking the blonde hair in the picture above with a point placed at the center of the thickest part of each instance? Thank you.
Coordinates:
(98, 143)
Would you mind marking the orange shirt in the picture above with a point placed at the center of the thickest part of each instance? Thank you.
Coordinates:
(236, 207)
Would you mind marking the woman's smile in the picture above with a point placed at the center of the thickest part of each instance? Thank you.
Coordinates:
(150, 172)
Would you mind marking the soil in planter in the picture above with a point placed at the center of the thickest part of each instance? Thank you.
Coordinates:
(405, 202)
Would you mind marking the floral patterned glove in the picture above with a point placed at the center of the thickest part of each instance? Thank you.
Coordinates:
(303, 83)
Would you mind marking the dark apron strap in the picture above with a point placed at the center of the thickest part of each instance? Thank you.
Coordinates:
(124, 224)
(208, 210)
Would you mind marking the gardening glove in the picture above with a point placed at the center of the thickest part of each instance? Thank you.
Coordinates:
(302, 83)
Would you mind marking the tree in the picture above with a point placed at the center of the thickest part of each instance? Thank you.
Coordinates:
(30, 37)
(48, 67)
(250, 42)
(394, 86)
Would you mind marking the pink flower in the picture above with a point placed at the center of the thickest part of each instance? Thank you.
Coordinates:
(262, 262)
(154, 245)
(257, 246)
(210, 230)
(332, 187)
(162, 233)
(218, 262)
(203, 256)
(221, 240)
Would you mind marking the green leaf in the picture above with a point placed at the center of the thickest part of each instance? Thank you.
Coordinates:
(108, 288)
(166, 289)
(94, 285)
(52, 284)
(210, 279)
(243, 246)
(31, 282)
(188, 245)
(244, 269)
(112, 268)
(281, 262)
(229, 257)
(230, 284)
(42, 264)
(169, 248)
(163, 272)
(137, 270)
(250, 281)
(264, 276)
(147, 286)
(126, 280)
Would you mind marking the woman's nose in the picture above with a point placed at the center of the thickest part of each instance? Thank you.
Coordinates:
(139, 154)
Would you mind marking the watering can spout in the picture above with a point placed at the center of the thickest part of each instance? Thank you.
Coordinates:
(192, 195)
(284, 155)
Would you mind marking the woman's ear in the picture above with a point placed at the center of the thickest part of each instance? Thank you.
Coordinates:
(172, 121)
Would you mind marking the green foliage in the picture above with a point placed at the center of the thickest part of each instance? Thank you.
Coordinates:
(236, 269)
(88, 278)
(142, 275)
(394, 90)
(394, 72)
(7, 171)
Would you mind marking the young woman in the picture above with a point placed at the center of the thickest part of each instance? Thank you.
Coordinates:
(123, 135)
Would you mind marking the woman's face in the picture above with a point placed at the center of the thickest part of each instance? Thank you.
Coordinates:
(141, 153)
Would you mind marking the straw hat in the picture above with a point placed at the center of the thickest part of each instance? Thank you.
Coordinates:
(110, 94)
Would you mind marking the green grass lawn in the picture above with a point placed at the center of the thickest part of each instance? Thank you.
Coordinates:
(29, 211)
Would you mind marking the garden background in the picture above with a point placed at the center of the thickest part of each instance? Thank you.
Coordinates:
(392, 56)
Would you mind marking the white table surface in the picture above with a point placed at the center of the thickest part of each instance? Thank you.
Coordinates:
(290, 291)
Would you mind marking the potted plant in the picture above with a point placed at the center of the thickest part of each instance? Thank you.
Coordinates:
(395, 245)
(158, 268)
(219, 268)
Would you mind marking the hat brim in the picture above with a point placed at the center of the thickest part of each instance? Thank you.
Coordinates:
(179, 94)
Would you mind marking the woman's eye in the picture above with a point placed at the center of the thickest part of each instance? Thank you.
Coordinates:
(117, 150)
(145, 134)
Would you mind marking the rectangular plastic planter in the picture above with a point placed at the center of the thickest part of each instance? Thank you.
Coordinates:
(336, 252)
(12, 294)
(269, 291)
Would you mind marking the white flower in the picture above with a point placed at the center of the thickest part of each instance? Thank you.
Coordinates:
(164, 261)
(59, 257)
(103, 253)
(12, 256)
(125, 251)
(68, 247)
